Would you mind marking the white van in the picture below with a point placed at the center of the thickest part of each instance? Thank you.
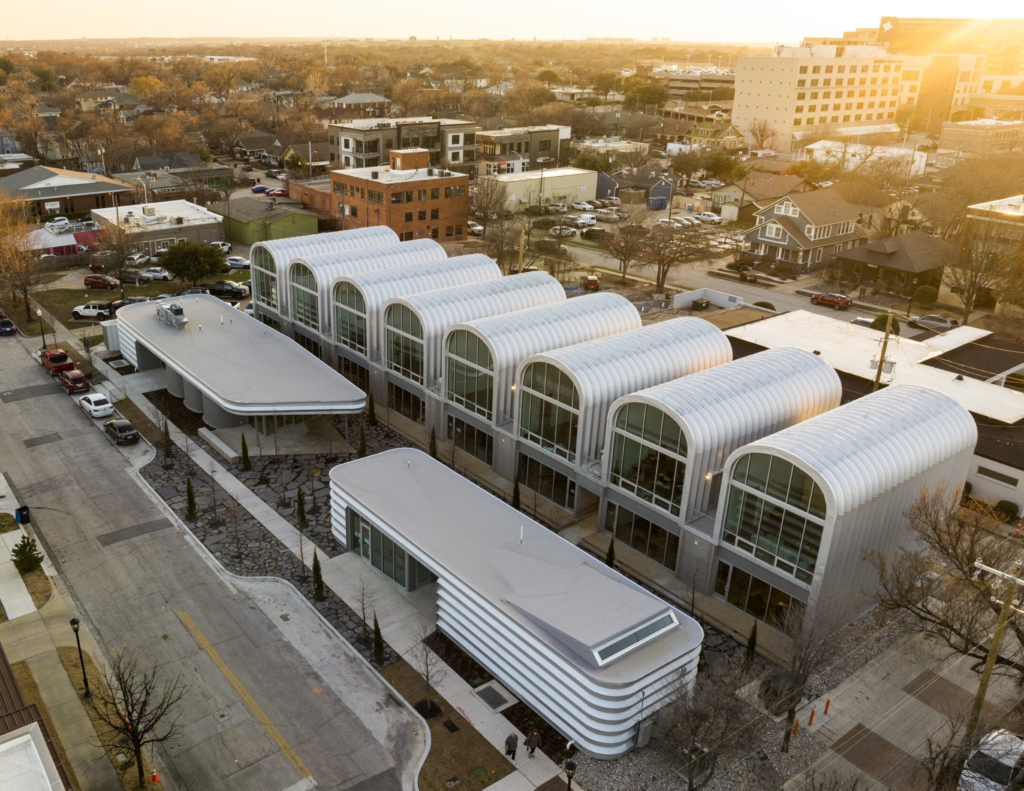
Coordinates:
(607, 215)
(586, 219)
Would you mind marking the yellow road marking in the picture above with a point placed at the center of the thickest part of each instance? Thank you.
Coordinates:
(275, 734)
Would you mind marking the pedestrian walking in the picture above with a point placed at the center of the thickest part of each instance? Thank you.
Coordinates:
(511, 743)
(532, 742)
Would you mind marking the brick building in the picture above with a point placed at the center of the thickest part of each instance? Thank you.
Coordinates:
(409, 196)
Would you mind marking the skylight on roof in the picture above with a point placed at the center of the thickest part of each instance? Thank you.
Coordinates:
(622, 645)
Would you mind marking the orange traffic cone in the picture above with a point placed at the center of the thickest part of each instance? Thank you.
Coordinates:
(154, 778)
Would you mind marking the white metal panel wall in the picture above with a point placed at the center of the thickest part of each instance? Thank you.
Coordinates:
(610, 367)
(730, 405)
(438, 310)
(128, 338)
(601, 718)
(513, 336)
(380, 286)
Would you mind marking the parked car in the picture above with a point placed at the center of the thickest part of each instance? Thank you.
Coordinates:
(550, 246)
(665, 222)
(224, 247)
(250, 309)
(996, 764)
(273, 174)
(595, 234)
(7, 327)
(226, 288)
(592, 283)
(58, 222)
(101, 281)
(475, 228)
(122, 432)
(607, 215)
(582, 205)
(862, 321)
(247, 168)
(237, 262)
(259, 188)
(934, 322)
(135, 300)
(613, 201)
(278, 193)
(137, 259)
(96, 405)
(562, 230)
(135, 277)
(837, 301)
(693, 222)
(55, 361)
(586, 220)
(157, 273)
(91, 310)
(557, 208)
(73, 381)
(707, 216)
(196, 290)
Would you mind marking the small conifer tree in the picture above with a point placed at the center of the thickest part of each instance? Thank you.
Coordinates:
(433, 443)
(300, 512)
(190, 500)
(378, 642)
(26, 556)
(362, 441)
(318, 580)
(751, 654)
(246, 463)
(371, 410)
(609, 558)
(515, 492)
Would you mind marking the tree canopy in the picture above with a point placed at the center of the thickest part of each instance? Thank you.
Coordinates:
(192, 261)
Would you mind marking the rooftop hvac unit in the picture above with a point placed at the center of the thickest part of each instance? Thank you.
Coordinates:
(149, 211)
(179, 220)
(374, 174)
(171, 314)
(430, 171)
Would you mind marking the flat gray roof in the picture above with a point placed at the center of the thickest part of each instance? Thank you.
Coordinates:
(242, 364)
(567, 598)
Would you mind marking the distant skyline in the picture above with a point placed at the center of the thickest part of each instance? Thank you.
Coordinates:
(742, 21)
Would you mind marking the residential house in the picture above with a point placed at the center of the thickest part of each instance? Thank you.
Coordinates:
(282, 153)
(619, 123)
(500, 88)
(741, 198)
(8, 143)
(368, 104)
(92, 99)
(187, 166)
(673, 131)
(248, 220)
(571, 93)
(51, 191)
(516, 149)
(716, 135)
(255, 145)
(805, 230)
(897, 263)
(635, 187)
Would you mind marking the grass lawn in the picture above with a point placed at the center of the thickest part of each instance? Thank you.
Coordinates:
(32, 329)
(39, 587)
(464, 755)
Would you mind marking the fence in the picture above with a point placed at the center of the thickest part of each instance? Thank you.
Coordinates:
(58, 262)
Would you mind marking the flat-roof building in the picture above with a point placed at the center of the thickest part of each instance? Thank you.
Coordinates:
(585, 647)
(542, 187)
(982, 136)
(157, 226)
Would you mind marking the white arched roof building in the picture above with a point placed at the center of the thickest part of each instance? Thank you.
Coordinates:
(847, 477)
(316, 273)
(601, 370)
(717, 410)
(271, 257)
(365, 293)
(511, 337)
(431, 313)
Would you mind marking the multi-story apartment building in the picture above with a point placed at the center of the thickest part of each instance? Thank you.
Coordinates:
(409, 196)
(367, 142)
(681, 82)
(938, 88)
(800, 92)
(982, 137)
(519, 148)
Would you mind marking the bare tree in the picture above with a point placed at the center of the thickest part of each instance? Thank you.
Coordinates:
(428, 664)
(665, 248)
(636, 157)
(365, 600)
(831, 780)
(136, 706)
(490, 197)
(761, 134)
(19, 267)
(981, 264)
(627, 243)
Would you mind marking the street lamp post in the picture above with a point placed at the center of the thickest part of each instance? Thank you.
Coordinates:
(42, 331)
(570, 770)
(911, 302)
(74, 625)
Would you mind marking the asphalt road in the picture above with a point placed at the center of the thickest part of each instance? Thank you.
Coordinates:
(274, 698)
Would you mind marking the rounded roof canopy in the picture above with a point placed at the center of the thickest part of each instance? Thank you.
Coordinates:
(875, 443)
(745, 398)
(327, 267)
(381, 285)
(512, 336)
(606, 368)
(284, 250)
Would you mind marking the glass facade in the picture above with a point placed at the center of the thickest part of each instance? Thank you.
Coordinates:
(406, 404)
(305, 308)
(470, 373)
(643, 535)
(350, 317)
(547, 482)
(369, 542)
(776, 513)
(405, 343)
(648, 456)
(469, 438)
(549, 410)
(357, 374)
(264, 277)
(754, 596)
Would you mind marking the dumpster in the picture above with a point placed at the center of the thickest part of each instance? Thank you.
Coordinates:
(700, 304)
(656, 204)
(22, 516)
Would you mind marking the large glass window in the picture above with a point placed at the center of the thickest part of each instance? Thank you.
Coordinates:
(469, 438)
(350, 317)
(381, 552)
(754, 596)
(546, 482)
(264, 277)
(405, 403)
(549, 410)
(470, 373)
(776, 513)
(305, 309)
(643, 535)
(357, 374)
(405, 343)
(648, 456)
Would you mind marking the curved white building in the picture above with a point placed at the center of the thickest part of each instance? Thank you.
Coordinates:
(311, 277)
(269, 259)
(803, 505)
(585, 647)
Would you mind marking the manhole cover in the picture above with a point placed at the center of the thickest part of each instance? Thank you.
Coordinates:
(451, 726)
(495, 696)
(117, 365)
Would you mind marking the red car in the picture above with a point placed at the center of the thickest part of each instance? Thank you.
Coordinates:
(101, 281)
(56, 361)
(837, 301)
(73, 381)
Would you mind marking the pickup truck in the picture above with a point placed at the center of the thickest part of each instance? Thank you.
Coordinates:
(56, 361)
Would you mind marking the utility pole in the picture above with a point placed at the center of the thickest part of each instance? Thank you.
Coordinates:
(1012, 582)
(522, 237)
(885, 346)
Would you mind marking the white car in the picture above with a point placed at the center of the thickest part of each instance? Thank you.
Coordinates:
(586, 220)
(707, 216)
(96, 405)
(556, 208)
(91, 310)
(137, 259)
(475, 229)
(665, 222)
(224, 247)
(613, 201)
(562, 230)
(582, 205)
(250, 309)
(157, 273)
(995, 765)
(237, 262)
(693, 222)
(58, 222)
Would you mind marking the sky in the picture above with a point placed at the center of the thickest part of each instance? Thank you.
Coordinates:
(734, 21)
